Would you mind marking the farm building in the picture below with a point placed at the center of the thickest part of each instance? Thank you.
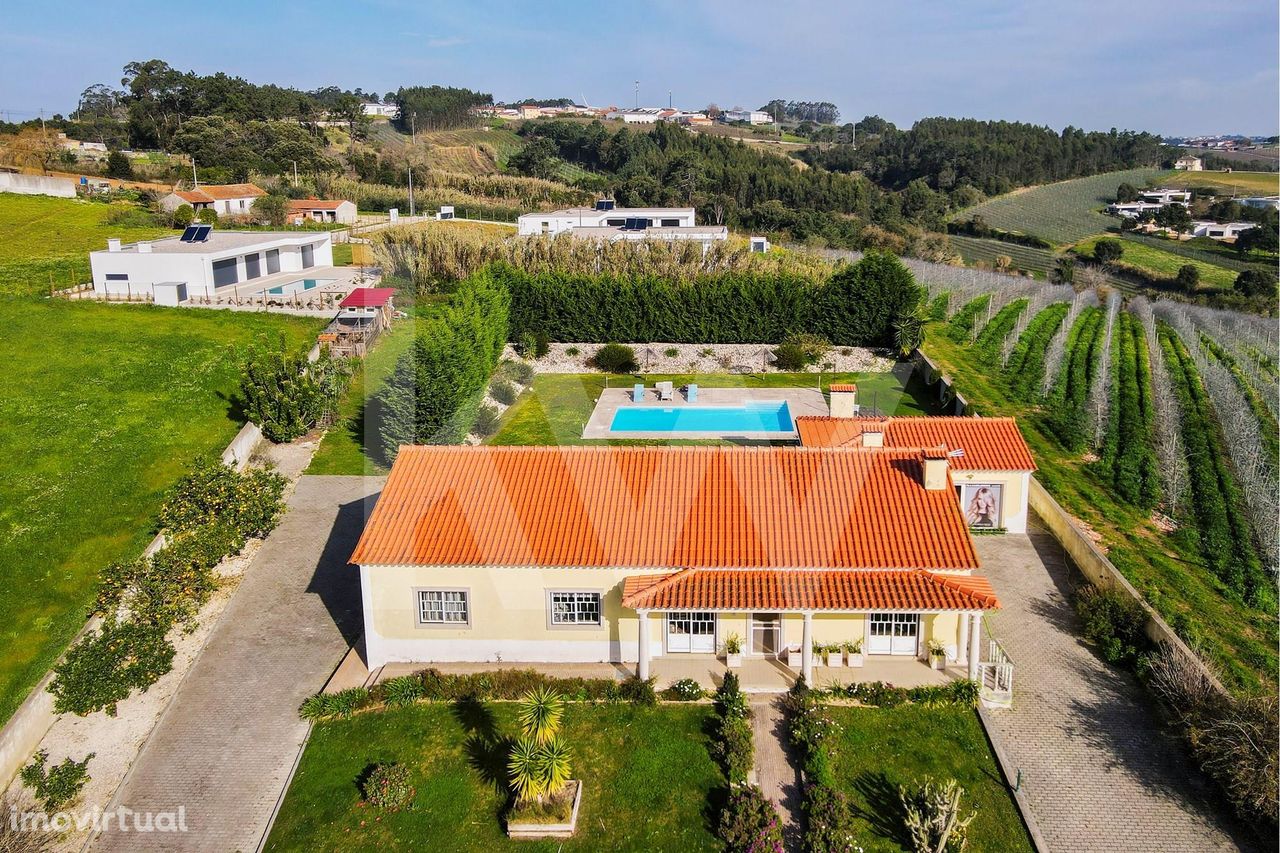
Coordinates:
(749, 116)
(322, 210)
(222, 199)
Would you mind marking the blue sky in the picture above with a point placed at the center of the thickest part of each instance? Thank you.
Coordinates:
(1173, 66)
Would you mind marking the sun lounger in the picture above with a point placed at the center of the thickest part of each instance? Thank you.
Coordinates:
(637, 393)
(666, 390)
(691, 393)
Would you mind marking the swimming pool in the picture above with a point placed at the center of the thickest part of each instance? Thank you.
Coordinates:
(726, 420)
(298, 286)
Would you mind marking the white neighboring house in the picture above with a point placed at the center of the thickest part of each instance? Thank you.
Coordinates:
(1132, 209)
(322, 210)
(610, 223)
(749, 116)
(222, 199)
(1163, 197)
(381, 110)
(173, 271)
(1219, 230)
(1189, 164)
(13, 182)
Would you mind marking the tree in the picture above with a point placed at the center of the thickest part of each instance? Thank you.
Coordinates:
(861, 302)
(1175, 217)
(184, 215)
(118, 166)
(208, 216)
(1126, 192)
(537, 159)
(1188, 277)
(1256, 283)
(1260, 239)
(1107, 250)
(272, 209)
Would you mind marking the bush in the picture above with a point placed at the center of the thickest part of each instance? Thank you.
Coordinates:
(731, 747)
(486, 423)
(749, 823)
(533, 345)
(106, 666)
(829, 820)
(55, 786)
(504, 392)
(572, 352)
(1112, 621)
(730, 701)
(404, 690)
(208, 216)
(1107, 250)
(638, 691)
(615, 358)
(684, 690)
(184, 215)
(286, 395)
(211, 493)
(1188, 278)
(931, 817)
(671, 352)
(387, 787)
(790, 358)
(519, 372)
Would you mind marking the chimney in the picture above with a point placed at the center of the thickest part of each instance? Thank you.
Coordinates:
(844, 401)
(935, 468)
(873, 436)
(113, 244)
(144, 247)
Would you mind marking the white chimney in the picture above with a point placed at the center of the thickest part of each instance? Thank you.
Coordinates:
(844, 401)
(873, 437)
(113, 244)
(144, 247)
(935, 468)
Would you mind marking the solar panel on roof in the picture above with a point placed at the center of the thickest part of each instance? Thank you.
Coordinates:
(202, 233)
(189, 234)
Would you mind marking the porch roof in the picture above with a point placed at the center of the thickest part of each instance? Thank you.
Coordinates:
(778, 590)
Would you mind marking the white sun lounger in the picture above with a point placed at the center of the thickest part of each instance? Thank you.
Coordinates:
(666, 390)
(637, 393)
(691, 393)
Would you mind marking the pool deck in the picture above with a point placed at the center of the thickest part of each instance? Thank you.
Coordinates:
(801, 401)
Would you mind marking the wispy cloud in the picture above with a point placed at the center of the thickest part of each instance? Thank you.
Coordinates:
(445, 41)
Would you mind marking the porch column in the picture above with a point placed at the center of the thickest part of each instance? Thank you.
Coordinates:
(806, 649)
(975, 632)
(642, 669)
(962, 639)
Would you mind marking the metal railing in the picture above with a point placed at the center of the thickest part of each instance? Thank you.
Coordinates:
(995, 676)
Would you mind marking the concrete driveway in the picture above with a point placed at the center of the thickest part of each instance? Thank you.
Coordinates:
(225, 747)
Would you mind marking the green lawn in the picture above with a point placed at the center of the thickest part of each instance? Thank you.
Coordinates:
(42, 236)
(342, 254)
(878, 749)
(557, 407)
(1154, 259)
(1063, 212)
(1167, 569)
(106, 406)
(1237, 182)
(646, 774)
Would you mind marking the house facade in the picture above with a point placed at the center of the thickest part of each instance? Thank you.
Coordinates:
(222, 199)
(1188, 163)
(322, 210)
(632, 554)
(608, 223)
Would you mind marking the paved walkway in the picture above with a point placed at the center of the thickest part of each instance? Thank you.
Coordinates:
(1098, 773)
(226, 745)
(776, 772)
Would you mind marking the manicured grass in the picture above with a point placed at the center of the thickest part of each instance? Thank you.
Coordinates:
(1063, 212)
(557, 407)
(1257, 183)
(646, 774)
(42, 236)
(342, 254)
(878, 749)
(1168, 569)
(347, 447)
(1153, 259)
(105, 407)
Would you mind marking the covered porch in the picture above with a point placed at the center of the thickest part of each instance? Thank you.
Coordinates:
(772, 675)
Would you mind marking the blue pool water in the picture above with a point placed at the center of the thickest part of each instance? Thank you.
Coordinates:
(298, 286)
(750, 417)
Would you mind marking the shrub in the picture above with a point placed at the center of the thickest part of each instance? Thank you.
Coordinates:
(539, 763)
(732, 748)
(387, 787)
(247, 503)
(572, 352)
(533, 345)
(730, 701)
(208, 216)
(404, 690)
(504, 392)
(790, 358)
(749, 823)
(615, 358)
(58, 785)
(671, 352)
(184, 215)
(931, 816)
(638, 691)
(829, 820)
(1188, 278)
(519, 372)
(106, 666)
(486, 422)
(1107, 250)
(1112, 621)
(684, 690)
(286, 395)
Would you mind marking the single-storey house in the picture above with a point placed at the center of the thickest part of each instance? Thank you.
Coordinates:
(989, 462)
(173, 270)
(1220, 230)
(749, 116)
(322, 210)
(636, 554)
(605, 214)
(222, 199)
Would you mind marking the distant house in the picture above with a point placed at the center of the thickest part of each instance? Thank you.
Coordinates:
(371, 108)
(1132, 209)
(1163, 197)
(322, 210)
(1228, 231)
(694, 120)
(222, 199)
(530, 111)
(644, 115)
(1189, 164)
(749, 116)
(1261, 202)
(608, 223)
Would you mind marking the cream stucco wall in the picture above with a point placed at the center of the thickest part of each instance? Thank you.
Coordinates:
(1013, 507)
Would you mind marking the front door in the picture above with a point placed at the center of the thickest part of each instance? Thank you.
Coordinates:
(691, 632)
(893, 634)
(766, 630)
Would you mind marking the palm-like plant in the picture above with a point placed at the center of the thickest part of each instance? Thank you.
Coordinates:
(526, 772)
(540, 712)
(555, 764)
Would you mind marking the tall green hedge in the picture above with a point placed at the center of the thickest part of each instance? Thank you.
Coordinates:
(855, 307)
(436, 389)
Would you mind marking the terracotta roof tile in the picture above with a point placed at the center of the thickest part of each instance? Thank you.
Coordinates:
(989, 444)
(221, 191)
(843, 387)
(664, 507)
(763, 590)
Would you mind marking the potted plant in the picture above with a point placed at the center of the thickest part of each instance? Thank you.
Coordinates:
(795, 659)
(853, 652)
(733, 651)
(937, 655)
(835, 654)
(546, 799)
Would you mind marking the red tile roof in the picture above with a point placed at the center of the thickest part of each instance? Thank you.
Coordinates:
(989, 444)
(844, 387)
(750, 589)
(194, 197)
(221, 191)
(368, 297)
(664, 507)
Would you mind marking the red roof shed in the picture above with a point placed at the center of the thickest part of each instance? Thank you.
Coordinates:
(368, 297)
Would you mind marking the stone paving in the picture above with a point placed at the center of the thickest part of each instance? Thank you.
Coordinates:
(1098, 773)
(775, 766)
(226, 746)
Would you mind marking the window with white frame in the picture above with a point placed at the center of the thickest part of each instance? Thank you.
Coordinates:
(575, 608)
(444, 607)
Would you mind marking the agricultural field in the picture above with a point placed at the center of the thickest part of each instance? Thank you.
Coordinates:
(46, 240)
(107, 406)
(1202, 249)
(1233, 183)
(1064, 212)
(979, 251)
(1154, 259)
